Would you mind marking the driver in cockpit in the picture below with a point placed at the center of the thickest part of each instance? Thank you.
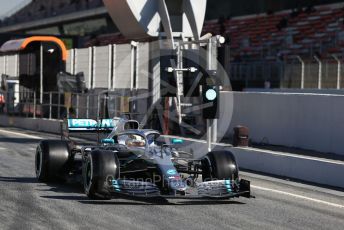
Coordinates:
(135, 141)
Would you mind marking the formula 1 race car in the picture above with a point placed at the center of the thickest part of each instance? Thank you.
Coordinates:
(136, 162)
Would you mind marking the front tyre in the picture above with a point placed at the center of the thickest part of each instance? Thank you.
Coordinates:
(219, 165)
(51, 160)
(100, 167)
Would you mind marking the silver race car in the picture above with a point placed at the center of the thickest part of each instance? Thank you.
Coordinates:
(135, 162)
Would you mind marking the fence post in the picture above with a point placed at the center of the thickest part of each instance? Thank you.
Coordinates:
(67, 112)
(209, 121)
(339, 78)
(90, 67)
(94, 67)
(72, 61)
(34, 104)
(320, 72)
(87, 106)
(50, 104)
(110, 66)
(41, 73)
(302, 72)
(113, 67)
(77, 106)
(132, 67)
(26, 103)
(59, 106)
(102, 108)
(98, 97)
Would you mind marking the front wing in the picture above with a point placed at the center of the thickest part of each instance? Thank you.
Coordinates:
(219, 189)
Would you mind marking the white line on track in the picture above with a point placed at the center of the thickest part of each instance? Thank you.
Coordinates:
(298, 196)
(20, 134)
(291, 155)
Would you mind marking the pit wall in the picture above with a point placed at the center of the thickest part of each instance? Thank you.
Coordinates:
(35, 124)
(306, 121)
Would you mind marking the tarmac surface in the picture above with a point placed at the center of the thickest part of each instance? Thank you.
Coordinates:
(27, 204)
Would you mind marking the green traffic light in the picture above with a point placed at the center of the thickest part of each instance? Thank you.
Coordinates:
(211, 94)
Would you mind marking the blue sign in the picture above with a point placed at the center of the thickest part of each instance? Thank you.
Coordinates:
(107, 123)
(84, 124)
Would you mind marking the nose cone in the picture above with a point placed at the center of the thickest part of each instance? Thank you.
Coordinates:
(177, 184)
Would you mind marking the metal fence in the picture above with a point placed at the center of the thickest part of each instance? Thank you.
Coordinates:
(254, 73)
(298, 74)
(58, 105)
(123, 66)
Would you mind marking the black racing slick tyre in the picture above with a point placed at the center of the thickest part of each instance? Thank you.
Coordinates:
(219, 165)
(51, 160)
(100, 167)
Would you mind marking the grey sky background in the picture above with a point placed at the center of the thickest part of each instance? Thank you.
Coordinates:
(7, 6)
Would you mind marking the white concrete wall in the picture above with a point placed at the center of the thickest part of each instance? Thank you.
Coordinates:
(69, 62)
(112, 67)
(319, 171)
(101, 67)
(142, 72)
(36, 124)
(12, 65)
(286, 165)
(2, 65)
(307, 121)
(122, 67)
(83, 64)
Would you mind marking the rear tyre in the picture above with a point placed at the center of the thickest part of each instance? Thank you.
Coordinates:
(219, 165)
(51, 160)
(100, 167)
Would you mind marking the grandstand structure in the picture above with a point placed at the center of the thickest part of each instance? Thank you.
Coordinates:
(38, 9)
(258, 37)
(283, 33)
(271, 45)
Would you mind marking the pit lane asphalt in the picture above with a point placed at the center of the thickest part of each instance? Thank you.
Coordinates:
(27, 204)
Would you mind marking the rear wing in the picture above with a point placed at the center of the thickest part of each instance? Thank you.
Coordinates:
(93, 126)
(86, 126)
(89, 125)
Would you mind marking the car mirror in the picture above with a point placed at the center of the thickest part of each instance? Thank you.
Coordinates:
(108, 141)
(176, 141)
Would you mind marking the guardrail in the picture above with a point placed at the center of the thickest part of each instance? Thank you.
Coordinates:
(57, 105)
